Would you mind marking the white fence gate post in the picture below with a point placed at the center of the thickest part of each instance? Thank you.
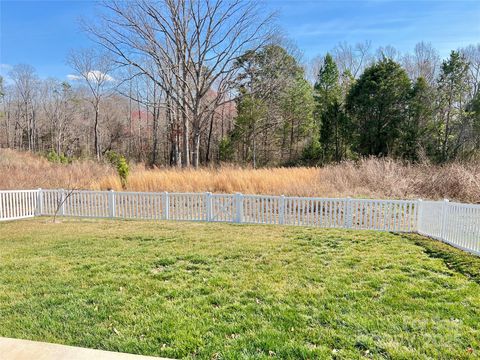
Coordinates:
(208, 205)
(239, 207)
(111, 203)
(444, 219)
(281, 211)
(166, 205)
(39, 204)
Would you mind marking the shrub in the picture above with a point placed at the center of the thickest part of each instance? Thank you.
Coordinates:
(121, 165)
(312, 153)
(226, 150)
(52, 156)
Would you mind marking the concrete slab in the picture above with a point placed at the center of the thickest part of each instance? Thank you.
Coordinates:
(16, 349)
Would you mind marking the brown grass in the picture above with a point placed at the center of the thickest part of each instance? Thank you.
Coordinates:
(22, 170)
(372, 178)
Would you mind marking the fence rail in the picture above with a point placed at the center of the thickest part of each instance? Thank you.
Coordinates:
(455, 223)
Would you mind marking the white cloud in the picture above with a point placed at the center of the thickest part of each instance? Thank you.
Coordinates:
(73, 77)
(94, 75)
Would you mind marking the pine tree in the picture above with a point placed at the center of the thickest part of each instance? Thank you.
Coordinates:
(326, 88)
(335, 133)
(329, 115)
(416, 131)
(297, 105)
(453, 93)
(378, 106)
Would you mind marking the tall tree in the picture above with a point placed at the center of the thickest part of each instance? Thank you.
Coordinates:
(472, 55)
(26, 83)
(335, 133)
(423, 62)
(57, 102)
(274, 78)
(194, 46)
(474, 112)
(94, 70)
(326, 87)
(453, 93)
(330, 116)
(352, 59)
(250, 119)
(377, 103)
(297, 112)
(417, 129)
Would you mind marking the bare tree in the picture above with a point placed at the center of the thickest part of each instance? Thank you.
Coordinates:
(424, 62)
(62, 197)
(388, 52)
(352, 59)
(4, 114)
(194, 45)
(94, 70)
(313, 67)
(472, 54)
(56, 102)
(26, 86)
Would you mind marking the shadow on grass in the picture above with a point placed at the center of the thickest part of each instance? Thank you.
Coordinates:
(455, 259)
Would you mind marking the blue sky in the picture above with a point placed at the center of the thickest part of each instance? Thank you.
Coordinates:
(41, 33)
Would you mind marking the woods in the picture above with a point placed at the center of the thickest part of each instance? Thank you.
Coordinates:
(191, 83)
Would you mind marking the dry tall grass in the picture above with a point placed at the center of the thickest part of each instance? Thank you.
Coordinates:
(22, 170)
(372, 178)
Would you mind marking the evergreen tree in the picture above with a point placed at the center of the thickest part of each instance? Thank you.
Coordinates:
(453, 91)
(251, 115)
(329, 116)
(378, 106)
(416, 131)
(474, 113)
(297, 105)
(335, 133)
(327, 89)
(274, 109)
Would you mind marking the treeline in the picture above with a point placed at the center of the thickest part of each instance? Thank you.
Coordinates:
(190, 83)
(411, 107)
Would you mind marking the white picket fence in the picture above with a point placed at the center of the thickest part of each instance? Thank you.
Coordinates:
(18, 204)
(454, 223)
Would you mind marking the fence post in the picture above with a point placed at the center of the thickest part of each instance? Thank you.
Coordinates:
(208, 205)
(61, 210)
(166, 205)
(419, 211)
(348, 213)
(444, 219)
(281, 211)
(39, 207)
(239, 207)
(111, 203)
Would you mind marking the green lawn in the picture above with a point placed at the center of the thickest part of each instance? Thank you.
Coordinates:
(224, 291)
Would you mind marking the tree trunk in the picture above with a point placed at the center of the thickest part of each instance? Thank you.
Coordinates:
(210, 131)
(95, 133)
(7, 125)
(186, 140)
(154, 136)
(196, 148)
(447, 129)
(254, 148)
